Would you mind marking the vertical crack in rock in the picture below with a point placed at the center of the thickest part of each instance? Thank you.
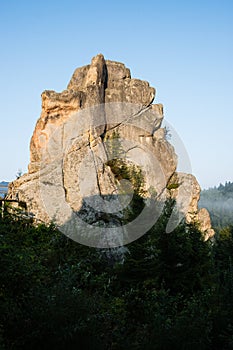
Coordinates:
(96, 170)
(62, 170)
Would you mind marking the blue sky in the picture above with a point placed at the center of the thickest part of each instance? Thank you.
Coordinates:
(183, 48)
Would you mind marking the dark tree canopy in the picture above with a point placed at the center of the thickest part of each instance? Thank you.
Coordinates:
(172, 291)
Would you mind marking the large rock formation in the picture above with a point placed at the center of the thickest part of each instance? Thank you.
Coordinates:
(89, 140)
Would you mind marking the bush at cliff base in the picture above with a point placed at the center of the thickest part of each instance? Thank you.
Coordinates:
(167, 291)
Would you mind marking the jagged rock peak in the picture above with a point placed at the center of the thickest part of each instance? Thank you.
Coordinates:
(71, 153)
(100, 71)
(115, 79)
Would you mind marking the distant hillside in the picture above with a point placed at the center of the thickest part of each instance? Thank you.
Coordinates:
(3, 188)
(4, 184)
(219, 202)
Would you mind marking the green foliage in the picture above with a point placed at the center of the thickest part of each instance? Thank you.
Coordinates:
(123, 169)
(172, 186)
(173, 291)
(120, 166)
(178, 261)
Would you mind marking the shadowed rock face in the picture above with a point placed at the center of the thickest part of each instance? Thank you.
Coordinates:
(70, 150)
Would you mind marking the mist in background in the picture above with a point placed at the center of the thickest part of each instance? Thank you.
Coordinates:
(219, 202)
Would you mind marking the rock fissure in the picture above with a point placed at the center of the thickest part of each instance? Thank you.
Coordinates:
(96, 171)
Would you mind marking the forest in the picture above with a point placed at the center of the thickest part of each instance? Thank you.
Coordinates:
(219, 202)
(169, 291)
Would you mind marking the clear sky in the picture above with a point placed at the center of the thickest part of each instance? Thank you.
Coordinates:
(183, 48)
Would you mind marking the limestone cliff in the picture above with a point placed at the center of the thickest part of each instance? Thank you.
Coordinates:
(86, 143)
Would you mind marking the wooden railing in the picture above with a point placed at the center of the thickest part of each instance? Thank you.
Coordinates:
(3, 201)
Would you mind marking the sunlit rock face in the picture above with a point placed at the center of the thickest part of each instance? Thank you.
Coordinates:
(103, 115)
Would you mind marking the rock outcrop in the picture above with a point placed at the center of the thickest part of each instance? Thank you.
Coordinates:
(86, 143)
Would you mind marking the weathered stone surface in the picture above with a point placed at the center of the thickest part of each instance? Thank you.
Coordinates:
(203, 218)
(69, 152)
(185, 189)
